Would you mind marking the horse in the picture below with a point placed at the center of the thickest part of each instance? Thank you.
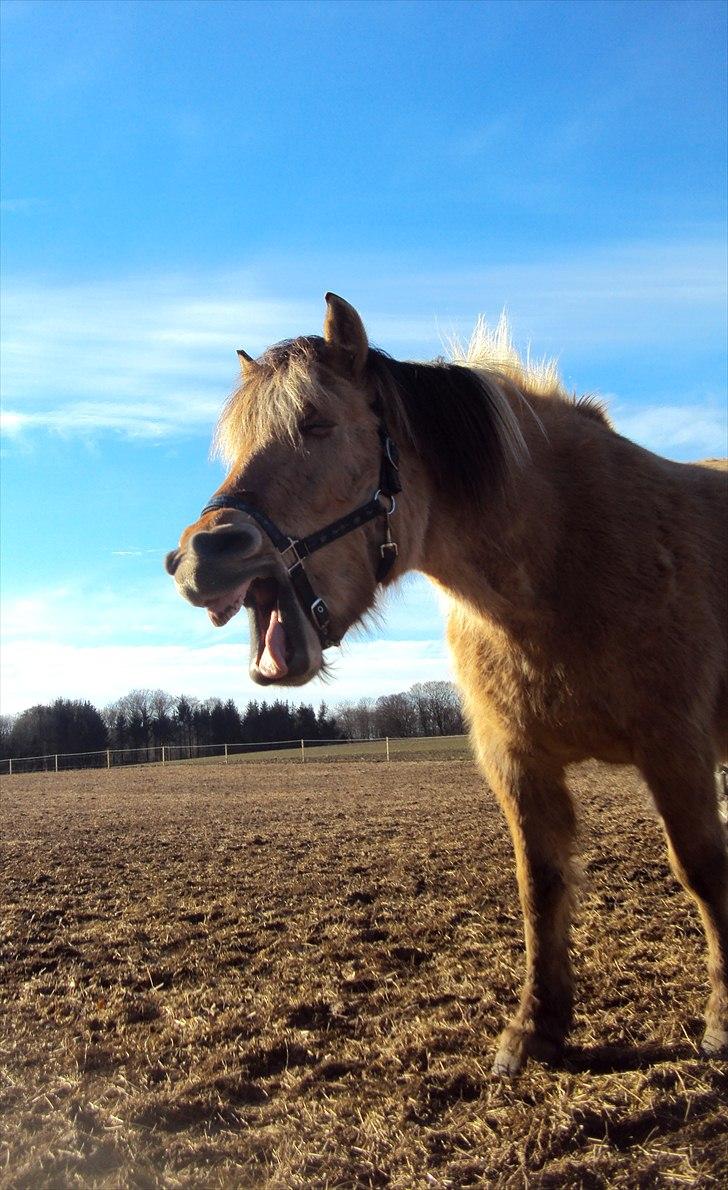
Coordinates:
(586, 580)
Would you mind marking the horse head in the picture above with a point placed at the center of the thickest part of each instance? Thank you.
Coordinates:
(312, 465)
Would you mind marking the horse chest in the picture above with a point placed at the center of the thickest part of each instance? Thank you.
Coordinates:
(543, 700)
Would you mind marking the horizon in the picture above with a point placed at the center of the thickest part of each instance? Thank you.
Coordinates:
(182, 180)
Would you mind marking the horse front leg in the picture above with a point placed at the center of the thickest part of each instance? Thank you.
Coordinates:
(541, 817)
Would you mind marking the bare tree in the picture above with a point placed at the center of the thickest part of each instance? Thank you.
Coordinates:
(396, 715)
(438, 708)
(357, 720)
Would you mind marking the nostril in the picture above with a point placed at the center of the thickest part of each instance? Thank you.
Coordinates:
(172, 561)
(225, 540)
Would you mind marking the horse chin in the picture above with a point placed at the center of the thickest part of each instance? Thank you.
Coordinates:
(284, 649)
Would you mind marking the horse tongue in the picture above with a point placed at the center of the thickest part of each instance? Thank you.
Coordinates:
(272, 661)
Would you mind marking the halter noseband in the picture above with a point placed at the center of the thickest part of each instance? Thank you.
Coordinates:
(302, 547)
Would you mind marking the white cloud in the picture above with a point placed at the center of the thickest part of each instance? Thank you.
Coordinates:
(701, 427)
(626, 296)
(78, 641)
(12, 422)
(85, 611)
(135, 419)
(154, 356)
(37, 671)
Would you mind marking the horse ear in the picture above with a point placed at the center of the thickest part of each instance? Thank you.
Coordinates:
(344, 331)
(247, 364)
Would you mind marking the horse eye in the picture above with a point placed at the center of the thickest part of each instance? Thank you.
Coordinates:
(316, 429)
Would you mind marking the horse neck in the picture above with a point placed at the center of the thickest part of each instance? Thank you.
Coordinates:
(494, 557)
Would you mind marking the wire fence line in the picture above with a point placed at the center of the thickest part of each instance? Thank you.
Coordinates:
(381, 748)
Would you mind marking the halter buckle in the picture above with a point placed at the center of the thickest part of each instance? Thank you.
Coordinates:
(320, 614)
(388, 554)
(292, 544)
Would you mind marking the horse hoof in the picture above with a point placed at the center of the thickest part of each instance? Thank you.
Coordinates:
(517, 1044)
(507, 1064)
(715, 1041)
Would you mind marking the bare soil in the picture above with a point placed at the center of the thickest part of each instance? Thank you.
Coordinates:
(289, 975)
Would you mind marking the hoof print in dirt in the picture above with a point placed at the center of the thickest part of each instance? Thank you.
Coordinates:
(265, 1063)
(312, 1016)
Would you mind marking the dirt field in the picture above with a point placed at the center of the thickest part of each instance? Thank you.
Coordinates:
(293, 975)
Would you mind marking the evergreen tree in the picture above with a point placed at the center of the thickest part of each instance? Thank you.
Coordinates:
(143, 720)
(305, 724)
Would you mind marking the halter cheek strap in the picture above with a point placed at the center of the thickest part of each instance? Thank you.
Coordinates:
(302, 547)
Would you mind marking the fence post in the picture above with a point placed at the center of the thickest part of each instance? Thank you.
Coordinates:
(303, 753)
(108, 758)
(226, 754)
(163, 760)
(56, 762)
(10, 767)
(387, 749)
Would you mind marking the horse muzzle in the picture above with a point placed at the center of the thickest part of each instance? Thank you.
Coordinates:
(225, 568)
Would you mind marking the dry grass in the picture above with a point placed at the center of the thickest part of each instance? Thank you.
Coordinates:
(292, 976)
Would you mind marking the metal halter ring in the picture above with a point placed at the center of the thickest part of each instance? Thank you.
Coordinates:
(387, 511)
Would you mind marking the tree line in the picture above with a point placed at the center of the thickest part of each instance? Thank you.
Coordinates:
(144, 720)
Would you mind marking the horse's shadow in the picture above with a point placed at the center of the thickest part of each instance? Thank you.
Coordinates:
(618, 1059)
(645, 1119)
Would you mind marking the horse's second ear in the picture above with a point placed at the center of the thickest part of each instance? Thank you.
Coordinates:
(248, 366)
(344, 331)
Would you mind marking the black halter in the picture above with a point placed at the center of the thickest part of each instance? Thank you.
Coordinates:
(302, 547)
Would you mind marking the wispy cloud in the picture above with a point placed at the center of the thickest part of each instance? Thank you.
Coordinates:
(631, 296)
(134, 553)
(135, 419)
(701, 426)
(85, 609)
(149, 358)
(80, 640)
(153, 357)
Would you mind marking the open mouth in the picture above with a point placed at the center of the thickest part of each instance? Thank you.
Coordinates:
(226, 606)
(271, 649)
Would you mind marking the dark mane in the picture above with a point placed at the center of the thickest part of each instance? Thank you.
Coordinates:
(593, 407)
(459, 421)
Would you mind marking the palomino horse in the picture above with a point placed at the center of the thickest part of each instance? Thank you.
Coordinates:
(587, 582)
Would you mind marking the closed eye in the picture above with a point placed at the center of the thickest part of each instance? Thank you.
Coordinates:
(316, 428)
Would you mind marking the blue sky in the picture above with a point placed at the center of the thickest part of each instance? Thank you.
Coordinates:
(181, 179)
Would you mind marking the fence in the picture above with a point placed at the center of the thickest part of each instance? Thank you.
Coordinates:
(384, 748)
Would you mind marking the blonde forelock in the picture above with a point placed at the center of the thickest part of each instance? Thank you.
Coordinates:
(282, 386)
